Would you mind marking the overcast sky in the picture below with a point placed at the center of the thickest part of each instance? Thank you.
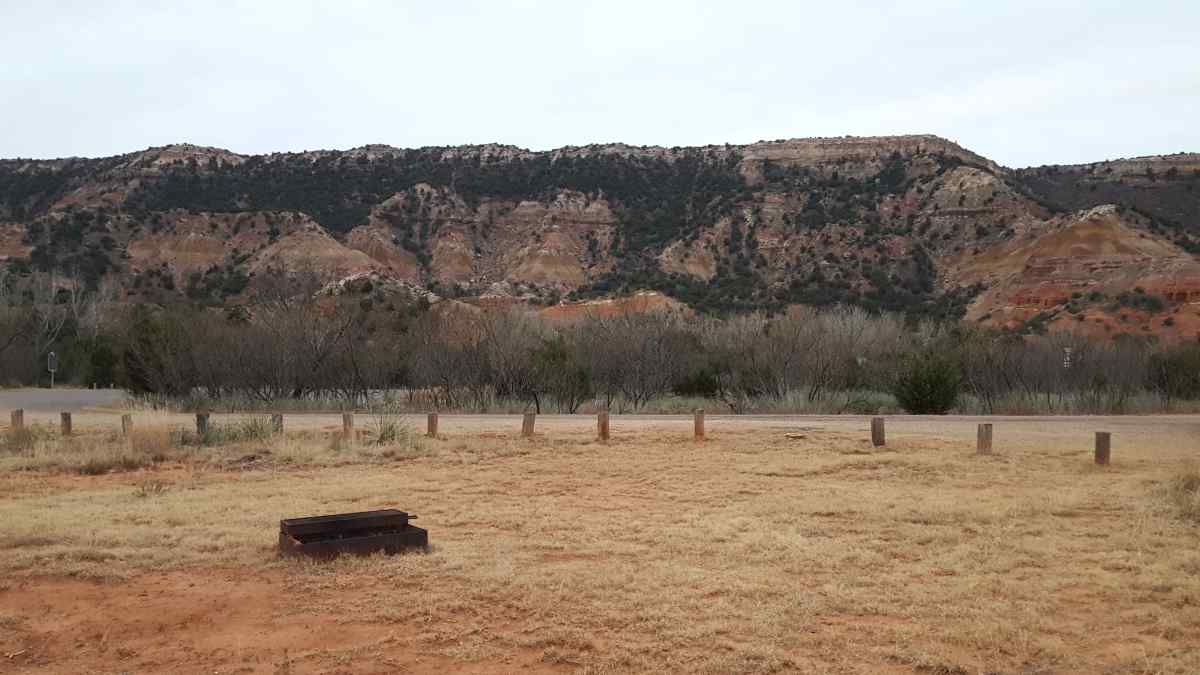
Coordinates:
(1024, 83)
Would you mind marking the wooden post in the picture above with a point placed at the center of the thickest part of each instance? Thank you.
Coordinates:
(202, 424)
(698, 424)
(527, 425)
(431, 425)
(277, 423)
(18, 420)
(126, 425)
(65, 427)
(348, 426)
(602, 425)
(983, 439)
(1103, 447)
(877, 437)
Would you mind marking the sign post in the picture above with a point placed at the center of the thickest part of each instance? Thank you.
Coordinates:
(52, 366)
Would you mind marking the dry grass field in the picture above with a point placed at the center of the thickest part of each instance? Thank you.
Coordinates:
(750, 552)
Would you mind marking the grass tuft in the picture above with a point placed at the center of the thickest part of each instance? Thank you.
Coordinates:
(238, 431)
(102, 463)
(157, 445)
(1183, 492)
(389, 430)
(19, 441)
(151, 488)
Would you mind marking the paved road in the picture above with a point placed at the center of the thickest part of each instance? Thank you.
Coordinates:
(59, 399)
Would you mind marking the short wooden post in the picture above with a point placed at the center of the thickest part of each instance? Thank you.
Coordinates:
(602, 425)
(877, 436)
(65, 426)
(202, 424)
(1103, 447)
(18, 420)
(126, 425)
(698, 425)
(348, 426)
(527, 425)
(983, 440)
(431, 425)
(277, 423)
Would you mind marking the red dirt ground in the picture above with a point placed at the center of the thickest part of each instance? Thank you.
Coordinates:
(210, 621)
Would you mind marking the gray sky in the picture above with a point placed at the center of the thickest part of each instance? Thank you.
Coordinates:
(1023, 83)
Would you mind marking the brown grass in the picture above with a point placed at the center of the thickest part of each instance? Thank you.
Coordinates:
(240, 443)
(750, 552)
(1183, 491)
(18, 441)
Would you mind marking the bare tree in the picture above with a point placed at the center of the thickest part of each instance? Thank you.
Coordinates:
(991, 365)
(560, 370)
(509, 341)
(745, 360)
(446, 358)
(34, 310)
(639, 356)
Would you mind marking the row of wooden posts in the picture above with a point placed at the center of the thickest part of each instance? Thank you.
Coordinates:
(528, 421)
(983, 438)
(17, 421)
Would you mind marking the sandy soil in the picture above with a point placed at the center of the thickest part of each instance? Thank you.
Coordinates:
(750, 552)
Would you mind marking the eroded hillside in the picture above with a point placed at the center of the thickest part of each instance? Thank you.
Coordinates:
(909, 223)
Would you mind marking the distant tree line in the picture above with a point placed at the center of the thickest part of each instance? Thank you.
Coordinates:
(294, 342)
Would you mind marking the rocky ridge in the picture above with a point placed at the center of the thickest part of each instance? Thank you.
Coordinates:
(906, 223)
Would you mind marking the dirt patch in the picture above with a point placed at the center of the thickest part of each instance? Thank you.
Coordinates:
(232, 620)
(11, 241)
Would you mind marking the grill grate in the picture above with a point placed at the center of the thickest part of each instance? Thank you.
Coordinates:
(361, 533)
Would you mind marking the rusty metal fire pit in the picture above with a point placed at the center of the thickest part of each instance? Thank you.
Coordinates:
(356, 533)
